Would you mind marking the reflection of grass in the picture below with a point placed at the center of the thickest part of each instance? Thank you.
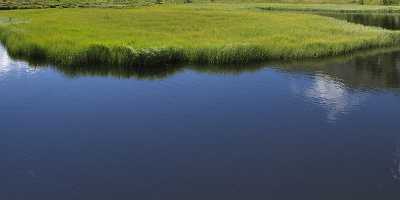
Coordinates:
(341, 8)
(372, 69)
(368, 70)
(161, 72)
(318, 64)
(306, 65)
(158, 35)
(141, 73)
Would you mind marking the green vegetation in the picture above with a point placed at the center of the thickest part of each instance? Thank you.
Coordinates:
(24, 4)
(205, 33)
(179, 34)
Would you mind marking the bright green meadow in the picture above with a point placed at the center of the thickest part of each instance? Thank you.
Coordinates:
(23, 4)
(186, 33)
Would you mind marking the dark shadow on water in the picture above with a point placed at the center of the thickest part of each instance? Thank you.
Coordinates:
(147, 73)
(387, 21)
(374, 69)
(379, 69)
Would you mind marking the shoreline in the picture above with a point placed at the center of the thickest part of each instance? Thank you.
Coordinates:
(258, 47)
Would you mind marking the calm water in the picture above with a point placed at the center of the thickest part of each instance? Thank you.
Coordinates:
(391, 21)
(325, 129)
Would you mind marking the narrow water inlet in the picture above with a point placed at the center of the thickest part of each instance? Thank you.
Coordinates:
(387, 21)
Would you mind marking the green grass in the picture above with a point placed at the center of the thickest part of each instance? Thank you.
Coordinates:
(165, 34)
(24, 4)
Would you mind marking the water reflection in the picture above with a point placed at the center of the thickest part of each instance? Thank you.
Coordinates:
(9, 65)
(387, 21)
(339, 85)
(333, 96)
(262, 126)
(149, 73)
(396, 164)
(366, 70)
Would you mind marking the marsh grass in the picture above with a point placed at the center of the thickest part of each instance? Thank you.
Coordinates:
(37, 4)
(167, 35)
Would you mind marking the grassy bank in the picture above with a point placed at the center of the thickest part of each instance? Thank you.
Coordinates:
(179, 34)
(24, 4)
(36, 4)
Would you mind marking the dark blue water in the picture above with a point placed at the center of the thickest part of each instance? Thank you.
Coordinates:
(315, 130)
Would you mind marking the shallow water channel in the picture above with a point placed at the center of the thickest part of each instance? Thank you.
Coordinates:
(322, 129)
(391, 21)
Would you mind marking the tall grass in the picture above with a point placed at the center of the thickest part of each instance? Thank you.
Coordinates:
(31, 4)
(163, 35)
(24, 4)
(337, 8)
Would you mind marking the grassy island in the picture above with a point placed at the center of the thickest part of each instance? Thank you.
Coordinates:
(180, 33)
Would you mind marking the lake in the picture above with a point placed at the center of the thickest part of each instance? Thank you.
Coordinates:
(321, 129)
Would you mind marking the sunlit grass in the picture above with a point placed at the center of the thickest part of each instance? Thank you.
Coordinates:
(179, 34)
(21, 4)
